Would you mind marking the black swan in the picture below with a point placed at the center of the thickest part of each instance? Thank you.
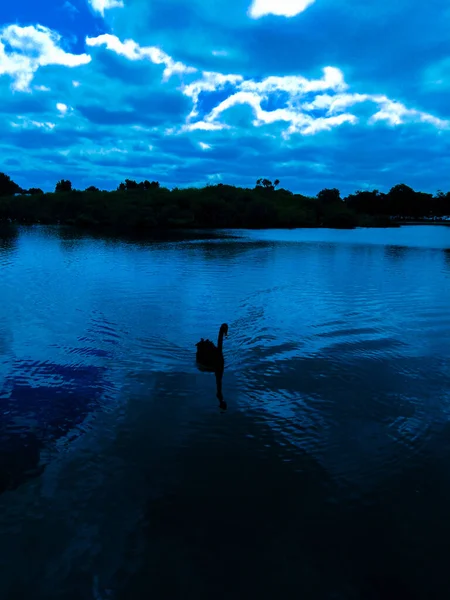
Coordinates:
(209, 357)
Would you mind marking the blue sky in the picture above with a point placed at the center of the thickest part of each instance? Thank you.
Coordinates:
(312, 92)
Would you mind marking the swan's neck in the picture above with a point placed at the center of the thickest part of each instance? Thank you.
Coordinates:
(220, 341)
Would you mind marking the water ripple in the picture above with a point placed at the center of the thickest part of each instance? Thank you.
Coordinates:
(117, 463)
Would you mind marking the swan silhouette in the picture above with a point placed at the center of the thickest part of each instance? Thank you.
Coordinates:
(209, 358)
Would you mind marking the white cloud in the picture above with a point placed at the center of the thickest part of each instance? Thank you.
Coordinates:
(210, 82)
(25, 123)
(204, 146)
(42, 88)
(101, 5)
(332, 98)
(61, 107)
(131, 50)
(323, 124)
(333, 79)
(76, 84)
(299, 121)
(279, 8)
(32, 47)
(204, 126)
(252, 93)
(332, 93)
(99, 151)
(249, 98)
(395, 113)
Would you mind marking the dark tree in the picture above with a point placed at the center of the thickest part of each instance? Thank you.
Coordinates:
(130, 184)
(154, 185)
(7, 186)
(402, 200)
(267, 184)
(367, 202)
(329, 196)
(148, 206)
(64, 185)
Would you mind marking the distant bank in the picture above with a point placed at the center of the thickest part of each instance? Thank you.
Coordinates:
(143, 207)
(422, 222)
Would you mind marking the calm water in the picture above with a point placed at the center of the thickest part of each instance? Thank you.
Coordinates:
(328, 476)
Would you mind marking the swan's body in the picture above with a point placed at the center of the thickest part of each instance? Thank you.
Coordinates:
(210, 358)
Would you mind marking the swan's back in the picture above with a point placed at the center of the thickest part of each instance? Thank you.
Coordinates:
(207, 353)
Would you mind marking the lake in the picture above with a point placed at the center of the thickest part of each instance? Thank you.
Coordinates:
(328, 475)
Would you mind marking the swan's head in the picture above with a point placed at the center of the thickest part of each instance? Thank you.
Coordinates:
(224, 328)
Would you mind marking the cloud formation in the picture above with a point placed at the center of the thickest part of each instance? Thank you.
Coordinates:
(312, 93)
(101, 5)
(285, 8)
(131, 50)
(23, 50)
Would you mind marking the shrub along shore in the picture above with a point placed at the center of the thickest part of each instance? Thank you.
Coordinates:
(136, 207)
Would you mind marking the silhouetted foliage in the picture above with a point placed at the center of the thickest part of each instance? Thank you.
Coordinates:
(367, 202)
(141, 206)
(329, 196)
(267, 184)
(64, 185)
(401, 202)
(130, 184)
(7, 186)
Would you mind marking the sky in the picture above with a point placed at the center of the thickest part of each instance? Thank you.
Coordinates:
(315, 93)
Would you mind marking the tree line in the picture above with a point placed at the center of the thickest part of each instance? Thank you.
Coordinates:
(139, 206)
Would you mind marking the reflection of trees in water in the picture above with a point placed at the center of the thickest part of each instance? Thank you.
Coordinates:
(394, 252)
(20, 453)
(248, 502)
(233, 506)
(214, 250)
(260, 515)
(236, 506)
(41, 403)
(447, 258)
(8, 238)
(72, 237)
